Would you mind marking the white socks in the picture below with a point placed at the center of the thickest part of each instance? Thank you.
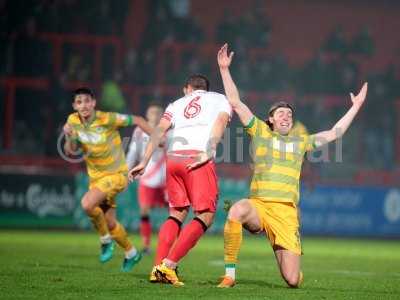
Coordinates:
(169, 263)
(230, 271)
(131, 253)
(105, 239)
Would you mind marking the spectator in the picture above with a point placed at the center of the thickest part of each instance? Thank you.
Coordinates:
(227, 29)
(24, 141)
(363, 43)
(263, 74)
(179, 8)
(78, 65)
(344, 77)
(188, 30)
(280, 79)
(101, 21)
(336, 42)
(112, 98)
(145, 67)
(50, 15)
(130, 61)
(31, 55)
(159, 30)
(255, 29)
(316, 76)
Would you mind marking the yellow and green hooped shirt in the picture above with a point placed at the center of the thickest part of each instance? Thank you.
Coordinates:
(101, 142)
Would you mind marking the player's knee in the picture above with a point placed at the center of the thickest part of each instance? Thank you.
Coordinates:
(206, 215)
(292, 279)
(178, 213)
(238, 212)
(144, 210)
(86, 205)
(207, 218)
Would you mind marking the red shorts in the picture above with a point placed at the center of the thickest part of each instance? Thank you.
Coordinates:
(197, 188)
(152, 196)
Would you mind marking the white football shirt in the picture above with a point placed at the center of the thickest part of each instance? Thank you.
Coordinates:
(154, 174)
(193, 118)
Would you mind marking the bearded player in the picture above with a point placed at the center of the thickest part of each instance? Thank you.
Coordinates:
(195, 124)
(151, 189)
(274, 191)
(96, 134)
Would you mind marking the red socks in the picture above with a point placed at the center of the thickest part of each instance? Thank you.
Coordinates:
(167, 235)
(187, 239)
(145, 231)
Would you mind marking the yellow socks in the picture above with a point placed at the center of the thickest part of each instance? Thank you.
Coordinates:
(301, 279)
(99, 221)
(232, 242)
(119, 235)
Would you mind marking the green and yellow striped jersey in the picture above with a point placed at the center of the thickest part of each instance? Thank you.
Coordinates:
(101, 142)
(277, 162)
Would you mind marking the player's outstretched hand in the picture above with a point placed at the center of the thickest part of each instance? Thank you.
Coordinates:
(360, 98)
(136, 171)
(200, 159)
(224, 59)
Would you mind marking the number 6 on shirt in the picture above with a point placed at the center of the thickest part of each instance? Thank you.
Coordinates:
(192, 109)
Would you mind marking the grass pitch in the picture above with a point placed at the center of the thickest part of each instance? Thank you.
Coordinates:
(63, 265)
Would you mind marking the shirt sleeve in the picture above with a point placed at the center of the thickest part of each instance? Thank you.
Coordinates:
(226, 107)
(169, 113)
(309, 142)
(120, 120)
(256, 127)
(133, 155)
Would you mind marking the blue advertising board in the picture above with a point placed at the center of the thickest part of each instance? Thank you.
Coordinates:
(351, 211)
(52, 202)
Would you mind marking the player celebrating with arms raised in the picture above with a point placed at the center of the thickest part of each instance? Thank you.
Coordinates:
(195, 123)
(274, 190)
(96, 133)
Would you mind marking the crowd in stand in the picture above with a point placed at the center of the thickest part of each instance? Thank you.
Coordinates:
(331, 71)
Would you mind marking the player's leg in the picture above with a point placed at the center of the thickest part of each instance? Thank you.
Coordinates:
(289, 266)
(119, 235)
(169, 232)
(117, 230)
(241, 214)
(201, 189)
(189, 237)
(145, 226)
(145, 195)
(282, 227)
(148, 198)
(91, 205)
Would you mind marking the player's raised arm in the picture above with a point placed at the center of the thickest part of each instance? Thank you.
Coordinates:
(231, 91)
(343, 124)
(155, 139)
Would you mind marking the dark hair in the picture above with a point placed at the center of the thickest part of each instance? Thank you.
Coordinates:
(198, 82)
(273, 108)
(83, 91)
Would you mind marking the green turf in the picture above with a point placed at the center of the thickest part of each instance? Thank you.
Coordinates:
(64, 265)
